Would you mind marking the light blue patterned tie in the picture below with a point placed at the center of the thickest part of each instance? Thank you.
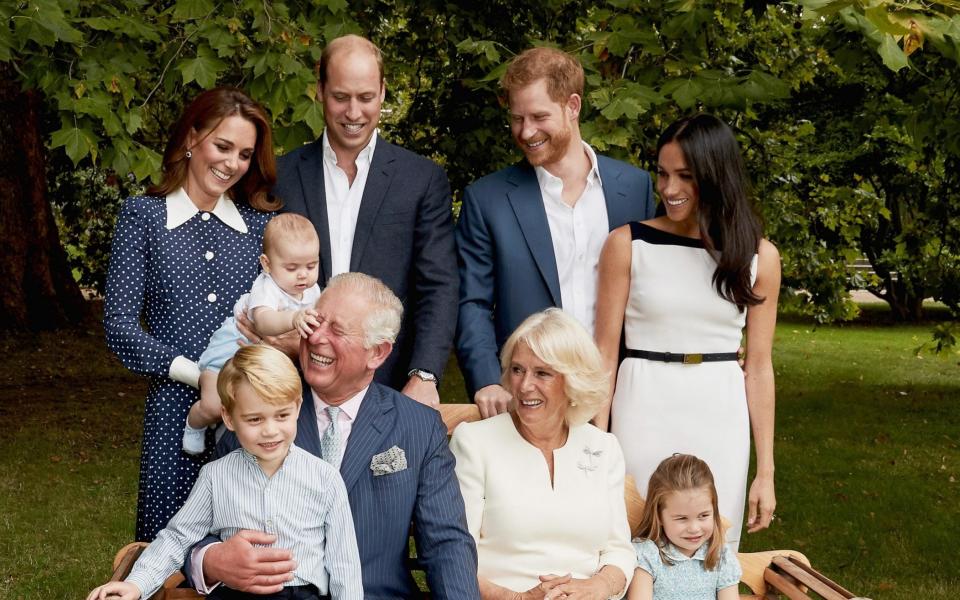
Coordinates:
(330, 444)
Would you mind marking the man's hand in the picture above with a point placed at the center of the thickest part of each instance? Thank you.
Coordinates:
(288, 343)
(424, 392)
(241, 563)
(492, 400)
(115, 590)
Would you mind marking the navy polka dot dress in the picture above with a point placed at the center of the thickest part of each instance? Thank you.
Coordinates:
(183, 282)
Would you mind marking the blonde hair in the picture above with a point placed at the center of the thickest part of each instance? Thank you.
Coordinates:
(382, 322)
(288, 226)
(679, 473)
(267, 370)
(562, 72)
(561, 342)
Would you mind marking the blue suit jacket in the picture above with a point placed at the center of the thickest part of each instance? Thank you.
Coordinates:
(426, 492)
(507, 267)
(404, 237)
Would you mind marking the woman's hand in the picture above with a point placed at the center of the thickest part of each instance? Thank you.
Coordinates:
(547, 585)
(605, 584)
(763, 501)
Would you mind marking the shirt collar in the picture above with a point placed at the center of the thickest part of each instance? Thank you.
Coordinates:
(180, 209)
(366, 155)
(674, 553)
(546, 178)
(350, 408)
(249, 456)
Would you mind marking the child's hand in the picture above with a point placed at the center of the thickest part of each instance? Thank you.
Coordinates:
(304, 320)
(115, 590)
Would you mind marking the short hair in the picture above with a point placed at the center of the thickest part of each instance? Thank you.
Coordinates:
(270, 373)
(678, 473)
(347, 43)
(382, 322)
(560, 341)
(288, 226)
(205, 113)
(562, 72)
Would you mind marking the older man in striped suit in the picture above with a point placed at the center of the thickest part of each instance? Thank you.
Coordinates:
(391, 451)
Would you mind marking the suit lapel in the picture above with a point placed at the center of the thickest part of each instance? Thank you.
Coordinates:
(375, 419)
(315, 201)
(308, 436)
(618, 208)
(527, 203)
(375, 190)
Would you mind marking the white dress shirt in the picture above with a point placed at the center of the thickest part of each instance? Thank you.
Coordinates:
(343, 201)
(578, 233)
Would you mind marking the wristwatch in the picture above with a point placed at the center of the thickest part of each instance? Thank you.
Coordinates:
(423, 375)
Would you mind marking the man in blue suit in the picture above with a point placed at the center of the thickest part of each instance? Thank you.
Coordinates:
(529, 236)
(392, 453)
(378, 209)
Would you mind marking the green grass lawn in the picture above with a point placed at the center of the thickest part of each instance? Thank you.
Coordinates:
(866, 448)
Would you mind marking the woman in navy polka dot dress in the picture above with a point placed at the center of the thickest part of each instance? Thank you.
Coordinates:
(181, 257)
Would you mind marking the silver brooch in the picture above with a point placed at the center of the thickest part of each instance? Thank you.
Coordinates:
(587, 465)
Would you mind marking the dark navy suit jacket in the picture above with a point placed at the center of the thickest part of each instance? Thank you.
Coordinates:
(507, 267)
(426, 492)
(404, 237)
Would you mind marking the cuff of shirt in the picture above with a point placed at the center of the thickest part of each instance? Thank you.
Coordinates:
(196, 570)
(186, 371)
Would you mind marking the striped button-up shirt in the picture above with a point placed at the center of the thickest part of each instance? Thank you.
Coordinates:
(304, 504)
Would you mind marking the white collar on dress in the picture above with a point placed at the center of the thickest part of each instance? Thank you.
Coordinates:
(674, 553)
(180, 209)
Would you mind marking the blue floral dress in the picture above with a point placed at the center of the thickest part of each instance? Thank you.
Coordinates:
(182, 281)
(687, 578)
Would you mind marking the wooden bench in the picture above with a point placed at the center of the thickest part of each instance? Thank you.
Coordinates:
(769, 575)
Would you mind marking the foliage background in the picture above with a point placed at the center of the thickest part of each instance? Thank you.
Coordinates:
(844, 108)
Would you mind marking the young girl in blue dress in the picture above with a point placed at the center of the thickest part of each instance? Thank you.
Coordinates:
(680, 549)
(182, 255)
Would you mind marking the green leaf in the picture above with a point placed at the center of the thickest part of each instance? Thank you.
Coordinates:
(891, 53)
(685, 93)
(77, 142)
(311, 113)
(189, 10)
(880, 17)
(203, 69)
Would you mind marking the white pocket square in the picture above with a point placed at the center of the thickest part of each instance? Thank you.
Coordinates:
(392, 461)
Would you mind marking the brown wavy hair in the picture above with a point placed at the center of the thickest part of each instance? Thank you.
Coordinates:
(562, 72)
(204, 114)
(679, 473)
(729, 226)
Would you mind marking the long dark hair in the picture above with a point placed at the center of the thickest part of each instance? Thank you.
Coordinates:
(204, 114)
(729, 226)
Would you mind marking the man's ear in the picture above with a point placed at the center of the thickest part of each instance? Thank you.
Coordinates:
(378, 354)
(383, 90)
(265, 263)
(227, 419)
(319, 92)
(574, 103)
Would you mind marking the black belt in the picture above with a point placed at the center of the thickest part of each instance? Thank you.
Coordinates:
(687, 359)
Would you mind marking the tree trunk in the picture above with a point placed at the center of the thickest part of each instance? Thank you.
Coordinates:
(38, 290)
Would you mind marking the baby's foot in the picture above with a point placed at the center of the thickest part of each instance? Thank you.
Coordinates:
(194, 440)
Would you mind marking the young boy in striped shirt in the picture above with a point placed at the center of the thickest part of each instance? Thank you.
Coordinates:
(268, 485)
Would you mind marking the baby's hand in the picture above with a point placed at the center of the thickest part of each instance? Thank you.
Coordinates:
(115, 590)
(304, 320)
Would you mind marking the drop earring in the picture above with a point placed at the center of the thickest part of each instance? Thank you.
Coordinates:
(189, 154)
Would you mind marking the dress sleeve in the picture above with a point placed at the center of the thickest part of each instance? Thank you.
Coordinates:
(729, 568)
(470, 474)
(648, 557)
(618, 551)
(137, 349)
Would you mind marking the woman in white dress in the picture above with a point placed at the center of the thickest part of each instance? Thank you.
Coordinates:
(543, 488)
(682, 287)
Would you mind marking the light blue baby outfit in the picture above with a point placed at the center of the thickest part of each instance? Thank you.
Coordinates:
(264, 292)
(687, 578)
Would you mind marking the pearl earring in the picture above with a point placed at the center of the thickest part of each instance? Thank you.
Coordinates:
(189, 154)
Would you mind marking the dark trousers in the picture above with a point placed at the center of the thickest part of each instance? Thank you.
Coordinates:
(291, 592)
